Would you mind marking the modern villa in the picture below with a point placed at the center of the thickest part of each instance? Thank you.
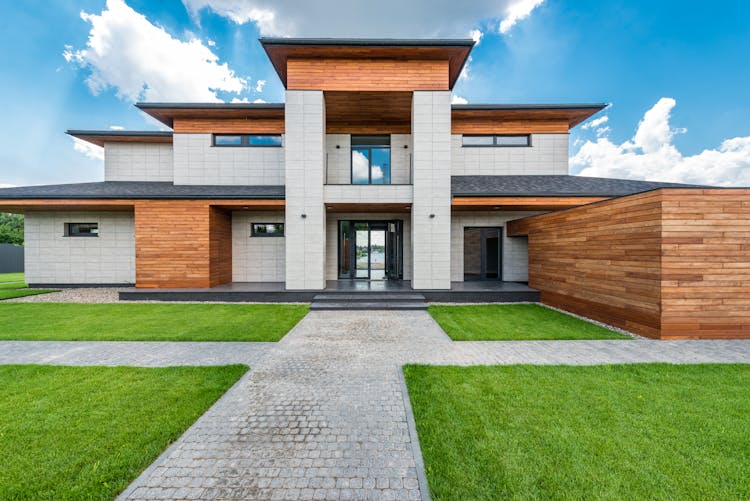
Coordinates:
(367, 174)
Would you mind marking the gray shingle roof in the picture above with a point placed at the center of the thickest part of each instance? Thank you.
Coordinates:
(553, 185)
(140, 190)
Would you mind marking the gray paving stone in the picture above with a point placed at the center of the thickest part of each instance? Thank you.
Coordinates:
(322, 414)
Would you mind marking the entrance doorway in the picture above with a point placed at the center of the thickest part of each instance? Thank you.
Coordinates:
(483, 251)
(371, 250)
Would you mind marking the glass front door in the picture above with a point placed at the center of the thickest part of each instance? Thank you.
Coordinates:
(370, 250)
(483, 253)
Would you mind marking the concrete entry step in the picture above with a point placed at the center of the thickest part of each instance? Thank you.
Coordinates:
(369, 297)
(368, 305)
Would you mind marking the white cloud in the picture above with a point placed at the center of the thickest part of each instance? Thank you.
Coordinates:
(386, 18)
(651, 155)
(259, 85)
(211, 43)
(116, 127)
(142, 61)
(593, 124)
(3, 185)
(259, 101)
(476, 35)
(458, 100)
(88, 149)
(518, 11)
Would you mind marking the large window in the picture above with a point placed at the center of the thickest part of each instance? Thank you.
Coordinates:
(81, 229)
(371, 159)
(267, 230)
(504, 140)
(272, 140)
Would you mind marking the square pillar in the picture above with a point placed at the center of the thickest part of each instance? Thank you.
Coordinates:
(305, 220)
(431, 209)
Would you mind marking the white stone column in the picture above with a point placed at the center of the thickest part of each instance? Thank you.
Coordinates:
(304, 173)
(431, 209)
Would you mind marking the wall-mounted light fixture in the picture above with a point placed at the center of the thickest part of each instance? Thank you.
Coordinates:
(338, 147)
(432, 216)
(304, 216)
(406, 146)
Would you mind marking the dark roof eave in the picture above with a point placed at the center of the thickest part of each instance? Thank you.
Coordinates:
(377, 42)
(551, 106)
(210, 106)
(119, 133)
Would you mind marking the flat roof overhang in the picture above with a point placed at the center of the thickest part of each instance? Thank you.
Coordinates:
(455, 51)
(572, 114)
(21, 206)
(521, 203)
(167, 112)
(99, 137)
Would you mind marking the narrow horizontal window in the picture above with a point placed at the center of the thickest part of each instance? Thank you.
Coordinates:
(497, 141)
(81, 229)
(273, 140)
(267, 230)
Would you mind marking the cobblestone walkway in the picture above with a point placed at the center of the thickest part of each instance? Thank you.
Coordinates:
(323, 413)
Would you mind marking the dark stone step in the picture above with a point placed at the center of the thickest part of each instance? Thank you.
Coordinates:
(382, 296)
(373, 305)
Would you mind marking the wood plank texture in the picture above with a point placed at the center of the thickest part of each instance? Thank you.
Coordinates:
(220, 246)
(670, 264)
(520, 203)
(488, 125)
(366, 74)
(229, 125)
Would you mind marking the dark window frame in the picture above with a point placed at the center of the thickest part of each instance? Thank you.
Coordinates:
(254, 233)
(494, 141)
(75, 234)
(368, 143)
(245, 141)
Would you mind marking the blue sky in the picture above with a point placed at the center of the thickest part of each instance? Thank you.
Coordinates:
(677, 74)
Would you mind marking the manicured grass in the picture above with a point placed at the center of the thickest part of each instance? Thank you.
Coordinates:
(11, 277)
(14, 293)
(147, 322)
(645, 431)
(506, 322)
(87, 432)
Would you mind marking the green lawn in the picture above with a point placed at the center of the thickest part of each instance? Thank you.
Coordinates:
(147, 322)
(523, 322)
(645, 431)
(12, 285)
(87, 432)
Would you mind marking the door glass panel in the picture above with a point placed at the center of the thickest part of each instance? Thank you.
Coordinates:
(362, 249)
(345, 268)
(492, 253)
(360, 165)
(377, 254)
(380, 169)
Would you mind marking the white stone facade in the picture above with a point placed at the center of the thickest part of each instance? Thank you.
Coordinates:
(548, 154)
(138, 162)
(257, 259)
(53, 258)
(197, 161)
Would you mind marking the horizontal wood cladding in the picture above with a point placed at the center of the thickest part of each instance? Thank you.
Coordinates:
(266, 125)
(366, 74)
(368, 112)
(482, 125)
(671, 264)
(520, 203)
(601, 261)
(706, 264)
(181, 244)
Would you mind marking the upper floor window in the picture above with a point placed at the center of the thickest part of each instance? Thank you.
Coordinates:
(503, 140)
(247, 140)
(81, 229)
(371, 159)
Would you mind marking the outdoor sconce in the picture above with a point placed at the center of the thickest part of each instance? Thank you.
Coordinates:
(432, 216)
(304, 216)
(406, 146)
(338, 147)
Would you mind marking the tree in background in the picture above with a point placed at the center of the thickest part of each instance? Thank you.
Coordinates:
(11, 229)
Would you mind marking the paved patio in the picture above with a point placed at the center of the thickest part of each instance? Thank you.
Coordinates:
(323, 414)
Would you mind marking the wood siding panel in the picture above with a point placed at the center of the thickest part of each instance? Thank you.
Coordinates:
(489, 125)
(706, 264)
(224, 126)
(601, 261)
(366, 74)
(181, 244)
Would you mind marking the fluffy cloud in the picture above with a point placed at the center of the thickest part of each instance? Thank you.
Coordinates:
(116, 127)
(90, 150)
(651, 155)
(458, 100)
(142, 61)
(387, 18)
(4, 185)
(259, 85)
(593, 124)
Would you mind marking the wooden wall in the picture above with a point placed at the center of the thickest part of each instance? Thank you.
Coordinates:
(229, 125)
(706, 264)
(181, 244)
(366, 74)
(599, 260)
(669, 264)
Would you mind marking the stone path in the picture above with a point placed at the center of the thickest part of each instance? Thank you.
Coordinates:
(323, 413)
